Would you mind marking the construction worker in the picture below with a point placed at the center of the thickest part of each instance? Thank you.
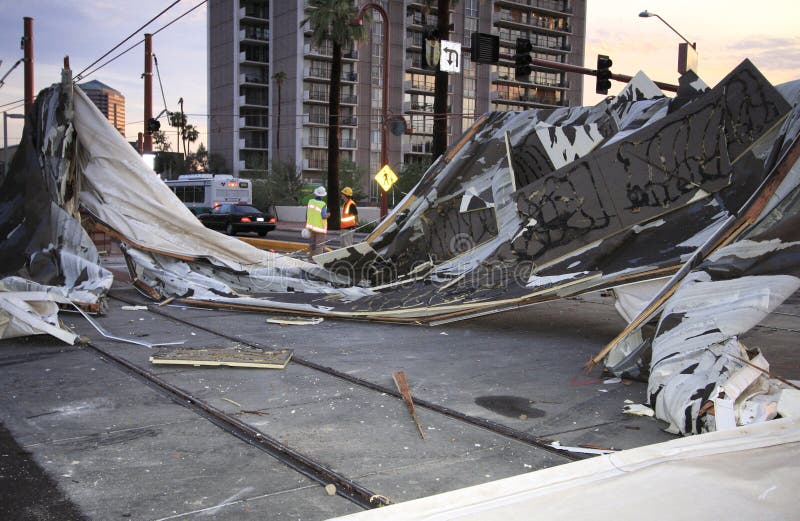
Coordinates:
(349, 217)
(317, 221)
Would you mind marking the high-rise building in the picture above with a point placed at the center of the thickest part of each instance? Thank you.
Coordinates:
(110, 101)
(268, 85)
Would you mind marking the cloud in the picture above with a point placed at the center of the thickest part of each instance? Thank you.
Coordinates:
(765, 42)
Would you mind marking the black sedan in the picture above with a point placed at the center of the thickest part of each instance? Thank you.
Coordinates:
(234, 218)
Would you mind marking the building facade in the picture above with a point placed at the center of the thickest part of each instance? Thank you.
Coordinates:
(110, 101)
(268, 85)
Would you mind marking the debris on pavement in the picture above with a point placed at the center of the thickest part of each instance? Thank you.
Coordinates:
(135, 308)
(128, 340)
(229, 357)
(295, 321)
(580, 449)
(402, 385)
(638, 409)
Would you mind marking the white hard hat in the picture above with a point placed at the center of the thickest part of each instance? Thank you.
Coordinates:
(320, 191)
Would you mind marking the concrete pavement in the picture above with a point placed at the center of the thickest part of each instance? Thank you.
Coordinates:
(119, 447)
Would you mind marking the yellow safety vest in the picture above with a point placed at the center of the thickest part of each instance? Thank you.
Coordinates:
(314, 220)
(348, 219)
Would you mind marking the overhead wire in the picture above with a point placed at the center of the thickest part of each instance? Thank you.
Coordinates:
(173, 4)
(140, 41)
(11, 103)
(3, 79)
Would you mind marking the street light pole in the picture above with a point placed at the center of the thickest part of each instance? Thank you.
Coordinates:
(687, 60)
(647, 14)
(6, 115)
(359, 20)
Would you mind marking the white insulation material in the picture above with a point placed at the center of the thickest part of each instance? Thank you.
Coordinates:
(698, 477)
(695, 350)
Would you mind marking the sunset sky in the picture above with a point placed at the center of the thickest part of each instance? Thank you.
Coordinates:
(726, 32)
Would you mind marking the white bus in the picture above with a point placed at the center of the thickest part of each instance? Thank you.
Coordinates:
(202, 192)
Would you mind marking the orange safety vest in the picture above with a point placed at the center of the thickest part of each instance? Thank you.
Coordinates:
(314, 220)
(348, 219)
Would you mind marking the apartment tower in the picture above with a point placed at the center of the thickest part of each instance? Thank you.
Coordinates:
(110, 101)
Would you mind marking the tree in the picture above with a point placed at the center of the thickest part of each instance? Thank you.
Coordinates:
(278, 77)
(189, 134)
(350, 174)
(331, 22)
(161, 142)
(178, 120)
(284, 183)
(197, 162)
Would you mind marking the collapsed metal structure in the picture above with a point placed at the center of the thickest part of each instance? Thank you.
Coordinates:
(693, 198)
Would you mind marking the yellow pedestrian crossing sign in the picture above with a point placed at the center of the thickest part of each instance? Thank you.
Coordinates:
(386, 178)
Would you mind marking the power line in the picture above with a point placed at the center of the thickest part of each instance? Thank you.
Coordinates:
(173, 4)
(142, 41)
(161, 85)
(11, 103)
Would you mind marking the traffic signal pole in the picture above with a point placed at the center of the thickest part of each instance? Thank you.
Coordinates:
(593, 72)
(147, 147)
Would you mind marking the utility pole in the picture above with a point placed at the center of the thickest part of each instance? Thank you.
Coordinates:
(147, 148)
(440, 97)
(180, 129)
(27, 45)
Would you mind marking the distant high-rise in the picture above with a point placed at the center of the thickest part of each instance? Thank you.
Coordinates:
(110, 101)
(252, 40)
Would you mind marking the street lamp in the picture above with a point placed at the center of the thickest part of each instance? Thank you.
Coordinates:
(359, 20)
(6, 115)
(686, 59)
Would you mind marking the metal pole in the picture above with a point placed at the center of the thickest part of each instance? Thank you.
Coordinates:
(148, 92)
(384, 96)
(5, 143)
(28, 56)
(591, 72)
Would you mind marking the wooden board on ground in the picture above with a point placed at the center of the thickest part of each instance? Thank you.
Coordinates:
(295, 321)
(230, 357)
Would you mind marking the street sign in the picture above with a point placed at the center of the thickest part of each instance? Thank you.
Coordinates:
(386, 178)
(450, 59)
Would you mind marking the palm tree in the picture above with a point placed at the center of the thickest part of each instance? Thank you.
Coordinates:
(189, 133)
(278, 77)
(331, 22)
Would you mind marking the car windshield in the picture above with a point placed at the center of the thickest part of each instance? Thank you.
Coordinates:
(244, 209)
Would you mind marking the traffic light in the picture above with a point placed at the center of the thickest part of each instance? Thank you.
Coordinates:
(603, 74)
(522, 59)
(485, 48)
(153, 125)
(431, 48)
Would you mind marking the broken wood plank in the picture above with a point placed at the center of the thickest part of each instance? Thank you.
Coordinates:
(295, 321)
(402, 385)
(228, 357)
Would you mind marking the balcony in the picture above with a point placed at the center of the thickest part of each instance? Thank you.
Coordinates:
(254, 35)
(253, 13)
(253, 101)
(348, 121)
(350, 99)
(315, 164)
(317, 119)
(549, 6)
(350, 144)
(259, 58)
(253, 144)
(315, 95)
(254, 122)
(315, 142)
(253, 80)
